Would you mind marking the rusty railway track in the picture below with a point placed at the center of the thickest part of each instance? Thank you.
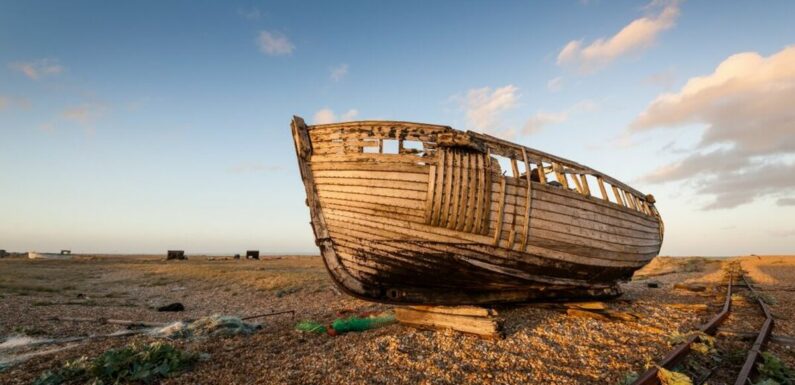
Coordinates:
(680, 351)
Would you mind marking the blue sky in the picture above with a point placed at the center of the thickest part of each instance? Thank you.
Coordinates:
(141, 126)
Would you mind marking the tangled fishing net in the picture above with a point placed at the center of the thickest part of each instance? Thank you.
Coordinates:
(212, 326)
(349, 324)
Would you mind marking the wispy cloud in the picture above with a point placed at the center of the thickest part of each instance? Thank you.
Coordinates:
(252, 13)
(8, 102)
(637, 35)
(38, 69)
(84, 114)
(786, 202)
(555, 84)
(483, 106)
(745, 106)
(782, 233)
(663, 79)
(252, 168)
(327, 115)
(274, 43)
(339, 72)
(543, 118)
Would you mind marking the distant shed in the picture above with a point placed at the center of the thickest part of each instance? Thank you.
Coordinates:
(176, 254)
(253, 254)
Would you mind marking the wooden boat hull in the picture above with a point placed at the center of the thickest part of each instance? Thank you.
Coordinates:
(439, 223)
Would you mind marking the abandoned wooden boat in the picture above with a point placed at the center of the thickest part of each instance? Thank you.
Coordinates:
(414, 213)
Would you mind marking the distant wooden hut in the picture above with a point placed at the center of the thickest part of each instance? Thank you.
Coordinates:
(175, 254)
(252, 254)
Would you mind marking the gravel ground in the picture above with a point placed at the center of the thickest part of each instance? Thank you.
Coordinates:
(542, 344)
(774, 276)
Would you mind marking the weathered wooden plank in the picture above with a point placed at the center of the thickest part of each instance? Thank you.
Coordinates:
(419, 196)
(560, 175)
(586, 190)
(619, 199)
(602, 189)
(377, 206)
(369, 166)
(377, 183)
(469, 221)
(462, 208)
(439, 198)
(481, 208)
(387, 201)
(485, 327)
(501, 211)
(456, 197)
(431, 185)
(373, 158)
(381, 211)
(577, 184)
(366, 174)
(448, 189)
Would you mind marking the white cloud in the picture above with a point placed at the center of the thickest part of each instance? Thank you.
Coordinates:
(327, 115)
(274, 43)
(555, 84)
(745, 107)
(4, 102)
(483, 106)
(38, 68)
(339, 72)
(637, 35)
(349, 115)
(324, 116)
(542, 119)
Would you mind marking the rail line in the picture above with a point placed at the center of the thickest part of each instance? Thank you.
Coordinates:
(650, 377)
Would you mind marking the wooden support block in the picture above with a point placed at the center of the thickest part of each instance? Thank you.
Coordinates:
(586, 305)
(587, 314)
(689, 306)
(466, 319)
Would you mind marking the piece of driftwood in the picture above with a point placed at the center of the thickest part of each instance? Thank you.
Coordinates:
(597, 310)
(466, 319)
(690, 287)
(412, 213)
(689, 306)
(291, 312)
(109, 321)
